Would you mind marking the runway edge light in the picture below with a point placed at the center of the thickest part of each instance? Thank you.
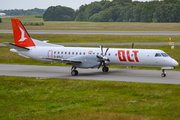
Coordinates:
(171, 43)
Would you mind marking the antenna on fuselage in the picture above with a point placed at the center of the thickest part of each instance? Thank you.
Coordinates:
(132, 45)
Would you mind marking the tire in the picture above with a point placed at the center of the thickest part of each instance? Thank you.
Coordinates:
(163, 75)
(74, 72)
(105, 69)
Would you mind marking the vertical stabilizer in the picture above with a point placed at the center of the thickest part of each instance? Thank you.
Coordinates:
(21, 36)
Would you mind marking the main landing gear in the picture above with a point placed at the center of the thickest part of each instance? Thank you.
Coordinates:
(74, 72)
(163, 73)
(105, 69)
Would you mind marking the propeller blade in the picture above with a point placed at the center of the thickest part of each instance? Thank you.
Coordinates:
(103, 56)
(100, 65)
(106, 51)
(101, 50)
(99, 57)
(104, 64)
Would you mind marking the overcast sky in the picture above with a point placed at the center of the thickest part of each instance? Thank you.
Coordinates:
(43, 4)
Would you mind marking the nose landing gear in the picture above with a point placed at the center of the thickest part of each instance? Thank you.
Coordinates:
(164, 73)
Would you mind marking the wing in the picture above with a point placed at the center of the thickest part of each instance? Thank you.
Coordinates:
(59, 60)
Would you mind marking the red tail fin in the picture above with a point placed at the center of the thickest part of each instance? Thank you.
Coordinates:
(21, 36)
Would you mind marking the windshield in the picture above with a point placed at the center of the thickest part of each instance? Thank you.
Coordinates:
(164, 54)
(161, 55)
(158, 55)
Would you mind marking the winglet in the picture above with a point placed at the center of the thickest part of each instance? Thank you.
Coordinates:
(21, 36)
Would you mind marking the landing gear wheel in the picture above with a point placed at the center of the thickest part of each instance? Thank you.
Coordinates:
(105, 69)
(74, 72)
(163, 75)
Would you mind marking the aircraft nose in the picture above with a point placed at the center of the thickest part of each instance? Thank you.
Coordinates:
(174, 62)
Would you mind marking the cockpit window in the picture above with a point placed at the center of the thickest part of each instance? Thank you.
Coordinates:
(164, 54)
(161, 55)
(158, 55)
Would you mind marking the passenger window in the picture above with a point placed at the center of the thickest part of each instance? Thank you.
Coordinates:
(76, 53)
(116, 54)
(157, 55)
(54, 52)
(84, 53)
(72, 53)
(65, 52)
(80, 53)
(109, 54)
(61, 52)
(69, 53)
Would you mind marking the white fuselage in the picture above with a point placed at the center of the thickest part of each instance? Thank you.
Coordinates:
(117, 56)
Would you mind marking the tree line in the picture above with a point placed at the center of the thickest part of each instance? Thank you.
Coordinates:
(109, 11)
(130, 11)
(118, 11)
(21, 12)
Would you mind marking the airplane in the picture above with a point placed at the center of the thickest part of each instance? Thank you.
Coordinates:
(2, 14)
(85, 57)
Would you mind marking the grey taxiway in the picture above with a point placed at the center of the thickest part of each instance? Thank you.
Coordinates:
(115, 74)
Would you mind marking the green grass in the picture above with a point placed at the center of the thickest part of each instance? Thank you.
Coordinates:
(6, 22)
(38, 99)
(92, 26)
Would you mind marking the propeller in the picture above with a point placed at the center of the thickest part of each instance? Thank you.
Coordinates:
(103, 57)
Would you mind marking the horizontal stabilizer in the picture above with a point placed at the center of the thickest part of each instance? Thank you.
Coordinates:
(44, 43)
(18, 48)
(63, 61)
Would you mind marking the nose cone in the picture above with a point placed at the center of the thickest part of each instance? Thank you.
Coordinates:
(174, 62)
